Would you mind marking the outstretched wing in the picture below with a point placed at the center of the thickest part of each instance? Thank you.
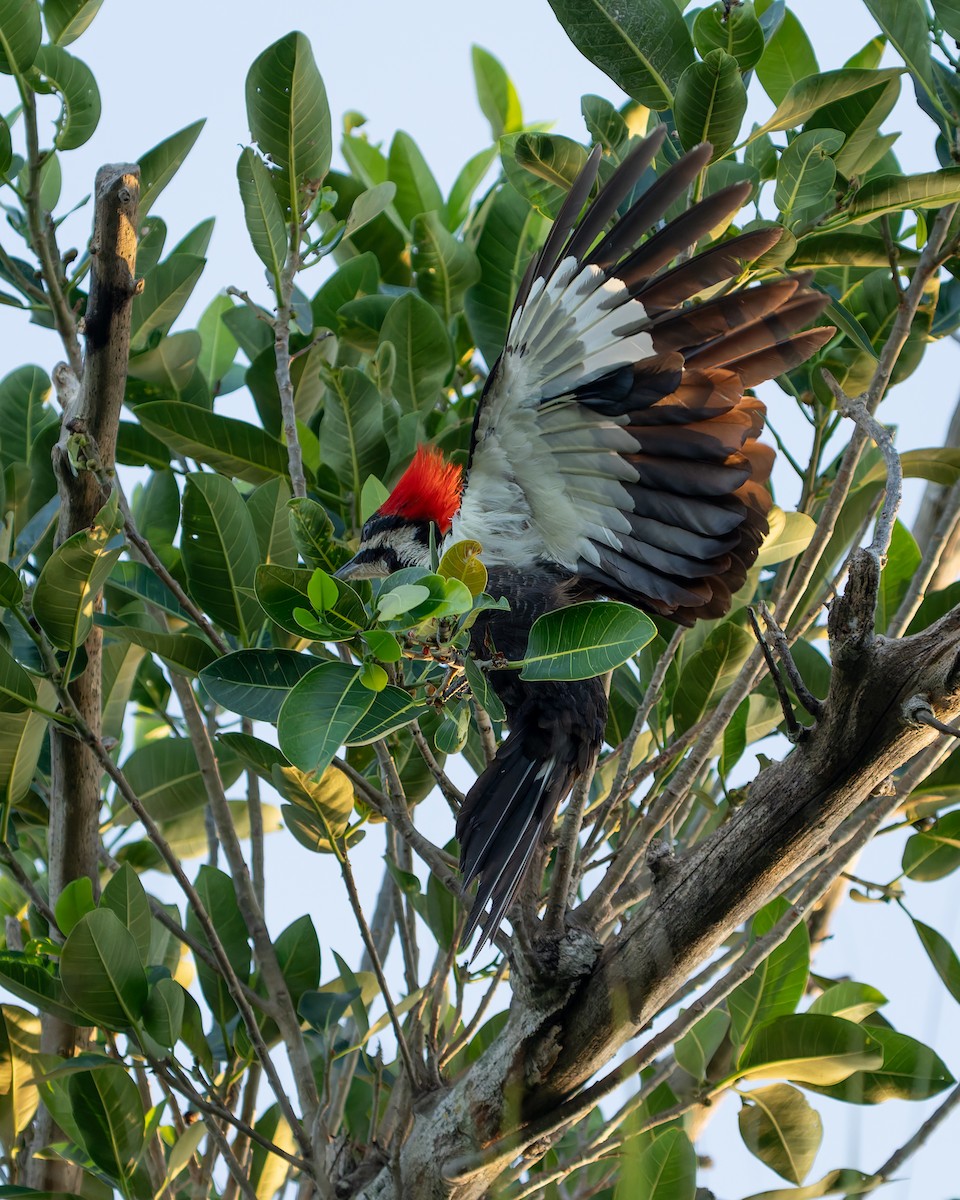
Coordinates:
(614, 437)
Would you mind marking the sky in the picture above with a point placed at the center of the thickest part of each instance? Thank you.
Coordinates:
(408, 67)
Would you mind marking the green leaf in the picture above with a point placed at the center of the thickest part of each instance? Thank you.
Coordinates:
(847, 250)
(903, 562)
(312, 531)
(859, 118)
(509, 235)
(166, 289)
(163, 1014)
(948, 14)
(542, 167)
(109, 1115)
(710, 103)
(71, 578)
(232, 447)
(708, 672)
(806, 172)
(17, 691)
(788, 58)
(67, 19)
(172, 364)
(11, 589)
(777, 985)
(263, 214)
(369, 205)
(166, 776)
(180, 651)
(893, 193)
(942, 955)
(392, 709)
(351, 431)
(443, 267)
(909, 1071)
(288, 114)
(814, 91)
(159, 165)
(218, 344)
(934, 853)
(20, 35)
(74, 902)
(417, 190)
(219, 899)
(101, 971)
(834, 1183)
(124, 896)
(320, 714)
(701, 1042)
(584, 640)
(850, 1000)
(736, 31)
(466, 183)
(643, 48)
(24, 415)
(424, 357)
(604, 123)
(779, 1126)
(255, 683)
(808, 1048)
(19, 1050)
(298, 953)
(320, 809)
(904, 23)
(664, 1169)
(219, 548)
(790, 534)
(35, 981)
(496, 94)
(77, 87)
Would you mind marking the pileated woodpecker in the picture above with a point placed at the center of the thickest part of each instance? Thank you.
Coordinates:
(614, 454)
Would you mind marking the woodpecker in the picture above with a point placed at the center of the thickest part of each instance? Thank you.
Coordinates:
(614, 454)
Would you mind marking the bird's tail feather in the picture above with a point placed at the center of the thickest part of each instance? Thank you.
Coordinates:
(500, 826)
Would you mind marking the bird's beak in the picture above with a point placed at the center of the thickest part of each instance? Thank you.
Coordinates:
(349, 570)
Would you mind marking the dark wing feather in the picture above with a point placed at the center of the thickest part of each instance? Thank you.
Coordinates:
(614, 437)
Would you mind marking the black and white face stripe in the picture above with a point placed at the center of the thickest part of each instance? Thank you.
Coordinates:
(388, 543)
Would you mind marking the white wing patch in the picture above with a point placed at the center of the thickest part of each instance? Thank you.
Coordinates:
(546, 478)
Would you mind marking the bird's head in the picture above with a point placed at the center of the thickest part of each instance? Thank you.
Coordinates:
(398, 533)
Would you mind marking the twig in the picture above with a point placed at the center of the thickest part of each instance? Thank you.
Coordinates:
(276, 985)
(855, 408)
(485, 728)
(374, 957)
(451, 793)
(255, 810)
(281, 339)
(809, 701)
(794, 728)
(917, 709)
(27, 885)
(474, 1024)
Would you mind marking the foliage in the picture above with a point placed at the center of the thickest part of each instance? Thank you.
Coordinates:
(234, 660)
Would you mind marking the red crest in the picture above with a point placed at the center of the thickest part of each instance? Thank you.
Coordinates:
(429, 490)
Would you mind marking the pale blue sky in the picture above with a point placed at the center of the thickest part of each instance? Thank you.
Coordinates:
(408, 66)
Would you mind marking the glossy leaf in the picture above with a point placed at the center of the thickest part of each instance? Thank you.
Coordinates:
(708, 672)
(67, 19)
(909, 1071)
(942, 955)
(935, 852)
(20, 35)
(235, 448)
(219, 549)
(392, 709)
(262, 213)
(288, 114)
(24, 413)
(850, 1000)
(443, 266)
(34, 980)
(893, 193)
(806, 172)
(218, 897)
(74, 82)
(542, 167)
(101, 971)
(163, 1012)
(664, 1169)
(814, 91)
(736, 31)
(777, 985)
(110, 1117)
(834, 1183)
(166, 289)
(351, 431)
(808, 1048)
(643, 48)
(904, 23)
(788, 58)
(781, 1128)
(19, 1050)
(255, 683)
(423, 351)
(417, 191)
(63, 600)
(166, 777)
(496, 94)
(125, 898)
(74, 902)
(701, 1042)
(584, 640)
(320, 714)
(710, 103)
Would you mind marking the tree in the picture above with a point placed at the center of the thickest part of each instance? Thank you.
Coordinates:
(149, 648)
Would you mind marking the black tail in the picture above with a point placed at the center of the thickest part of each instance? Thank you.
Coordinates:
(502, 822)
